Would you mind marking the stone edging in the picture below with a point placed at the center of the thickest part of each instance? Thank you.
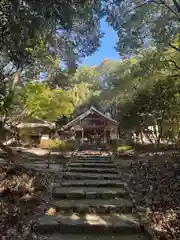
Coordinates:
(143, 222)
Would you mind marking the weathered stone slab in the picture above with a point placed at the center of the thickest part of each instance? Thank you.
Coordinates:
(88, 193)
(139, 236)
(94, 161)
(92, 165)
(70, 175)
(92, 170)
(99, 206)
(95, 157)
(93, 183)
(88, 223)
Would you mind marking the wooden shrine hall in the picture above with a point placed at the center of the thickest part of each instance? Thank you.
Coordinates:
(93, 127)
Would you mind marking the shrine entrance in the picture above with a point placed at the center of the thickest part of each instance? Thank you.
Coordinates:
(95, 136)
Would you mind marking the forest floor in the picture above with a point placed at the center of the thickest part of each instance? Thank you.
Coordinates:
(25, 190)
(21, 193)
(154, 182)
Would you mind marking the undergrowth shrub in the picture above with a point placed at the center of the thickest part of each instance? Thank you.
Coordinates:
(60, 145)
(124, 148)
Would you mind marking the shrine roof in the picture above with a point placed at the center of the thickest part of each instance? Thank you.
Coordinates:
(35, 122)
(87, 113)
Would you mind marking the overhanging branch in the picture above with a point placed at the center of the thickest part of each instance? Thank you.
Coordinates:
(174, 47)
(175, 64)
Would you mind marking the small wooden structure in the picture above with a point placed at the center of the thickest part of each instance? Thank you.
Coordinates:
(93, 126)
(34, 129)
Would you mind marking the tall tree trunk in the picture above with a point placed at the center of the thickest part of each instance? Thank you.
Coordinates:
(159, 135)
(141, 137)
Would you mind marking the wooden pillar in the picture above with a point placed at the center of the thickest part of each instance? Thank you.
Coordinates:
(105, 137)
(82, 136)
(117, 137)
(104, 131)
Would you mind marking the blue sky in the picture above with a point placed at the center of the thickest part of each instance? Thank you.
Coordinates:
(106, 50)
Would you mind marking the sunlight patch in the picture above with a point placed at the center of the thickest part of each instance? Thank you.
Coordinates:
(94, 219)
(74, 217)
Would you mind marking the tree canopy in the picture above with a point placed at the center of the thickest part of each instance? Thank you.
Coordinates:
(62, 25)
(48, 37)
(140, 24)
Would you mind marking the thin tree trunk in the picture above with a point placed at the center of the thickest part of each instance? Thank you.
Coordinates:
(148, 137)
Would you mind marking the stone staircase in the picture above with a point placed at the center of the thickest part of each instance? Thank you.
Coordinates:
(90, 203)
(93, 147)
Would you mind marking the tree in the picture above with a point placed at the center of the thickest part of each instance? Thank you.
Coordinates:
(29, 30)
(38, 100)
(34, 99)
(24, 22)
(143, 23)
(139, 91)
(87, 87)
(89, 75)
(155, 106)
(34, 32)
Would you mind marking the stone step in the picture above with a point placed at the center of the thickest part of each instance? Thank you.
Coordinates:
(82, 236)
(92, 162)
(88, 193)
(91, 170)
(92, 183)
(100, 154)
(70, 175)
(87, 223)
(96, 155)
(92, 165)
(94, 205)
(95, 158)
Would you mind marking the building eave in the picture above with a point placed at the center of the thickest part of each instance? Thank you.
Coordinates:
(89, 111)
(34, 125)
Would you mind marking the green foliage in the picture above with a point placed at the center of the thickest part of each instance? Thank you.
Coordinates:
(46, 103)
(140, 90)
(80, 92)
(24, 22)
(124, 148)
(143, 91)
(86, 74)
(59, 145)
(144, 23)
(158, 102)
(86, 86)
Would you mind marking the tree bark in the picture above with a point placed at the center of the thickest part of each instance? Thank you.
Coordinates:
(160, 133)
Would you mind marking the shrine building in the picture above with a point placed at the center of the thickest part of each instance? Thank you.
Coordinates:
(92, 126)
